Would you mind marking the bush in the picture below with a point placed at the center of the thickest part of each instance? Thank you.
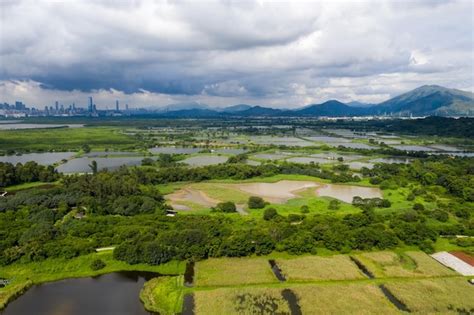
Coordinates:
(227, 207)
(255, 202)
(97, 264)
(269, 214)
(334, 204)
(304, 209)
(418, 207)
(427, 246)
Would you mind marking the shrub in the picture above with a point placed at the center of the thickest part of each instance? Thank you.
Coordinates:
(269, 214)
(255, 202)
(334, 205)
(97, 264)
(304, 209)
(227, 207)
(418, 207)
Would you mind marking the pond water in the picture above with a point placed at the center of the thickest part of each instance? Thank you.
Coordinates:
(5, 126)
(81, 165)
(270, 156)
(46, 158)
(461, 154)
(444, 147)
(204, 160)
(359, 165)
(230, 151)
(111, 153)
(288, 141)
(328, 139)
(391, 160)
(346, 192)
(353, 145)
(416, 148)
(115, 293)
(308, 160)
(174, 150)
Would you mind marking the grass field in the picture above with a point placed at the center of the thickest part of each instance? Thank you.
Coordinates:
(163, 295)
(65, 139)
(22, 275)
(233, 271)
(343, 299)
(338, 267)
(407, 264)
(245, 301)
(435, 296)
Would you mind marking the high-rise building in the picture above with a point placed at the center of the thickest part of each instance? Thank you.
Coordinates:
(57, 106)
(91, 104)
(126, 106)
(117, 106)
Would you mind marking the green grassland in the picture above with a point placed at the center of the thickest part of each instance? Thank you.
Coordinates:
(233, 271)
(163, 295)
(240, 301)
(436, 296)
(337, 267)
(98, 138)
(219, 190)
(352, 298)
(322, 285)
(406, 264)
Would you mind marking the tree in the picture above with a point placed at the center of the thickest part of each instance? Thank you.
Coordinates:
(304, 209)
(93, 167)
(418, 207)
(255, 202)
(334, 204)
(97, 264)
(86, 148)
(227, 207)
(269, 214)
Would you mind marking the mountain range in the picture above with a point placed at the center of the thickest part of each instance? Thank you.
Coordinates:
(427, 100)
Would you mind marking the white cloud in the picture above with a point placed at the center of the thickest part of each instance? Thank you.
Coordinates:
(282, 54)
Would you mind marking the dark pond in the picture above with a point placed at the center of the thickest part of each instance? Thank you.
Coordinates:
(276, 270)
(188, 305)
(114, 294)
(189, 274)
(292, 300)
(392, 298)
(362, 268)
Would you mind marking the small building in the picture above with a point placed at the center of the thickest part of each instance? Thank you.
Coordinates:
(171, 213)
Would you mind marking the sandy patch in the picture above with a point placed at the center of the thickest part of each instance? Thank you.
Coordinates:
(278, 192)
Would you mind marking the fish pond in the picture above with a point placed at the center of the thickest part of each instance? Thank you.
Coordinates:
(115, 293)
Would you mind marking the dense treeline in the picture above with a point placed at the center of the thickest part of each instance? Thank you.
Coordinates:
(455, 176)
(25, 173)
(124, 208)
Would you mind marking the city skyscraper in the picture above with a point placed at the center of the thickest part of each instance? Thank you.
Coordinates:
(117, 106)
(91, 104)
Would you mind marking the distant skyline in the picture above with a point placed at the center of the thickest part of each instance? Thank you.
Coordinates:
(283, 55)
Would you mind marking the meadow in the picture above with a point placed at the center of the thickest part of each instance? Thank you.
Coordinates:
(402, 264)
(307, 268)
(61, 139)
(233, 271)
(435, 296)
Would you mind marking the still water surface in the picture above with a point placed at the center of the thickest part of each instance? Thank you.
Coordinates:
(111, 294)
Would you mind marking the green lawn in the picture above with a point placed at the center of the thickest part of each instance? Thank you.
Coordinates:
(233, 271)
(97, 138)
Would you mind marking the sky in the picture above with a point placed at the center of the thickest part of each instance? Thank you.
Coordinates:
(278, 54)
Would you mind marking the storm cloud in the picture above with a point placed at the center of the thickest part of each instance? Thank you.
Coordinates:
(227, 52)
